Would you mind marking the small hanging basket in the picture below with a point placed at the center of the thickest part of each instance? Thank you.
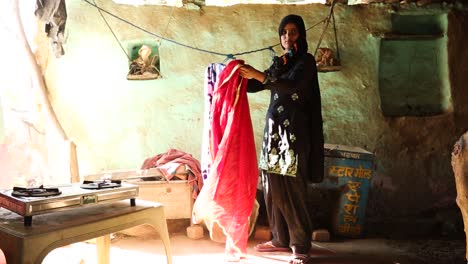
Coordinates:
(144, 67)
(144, 76)
(326, 57)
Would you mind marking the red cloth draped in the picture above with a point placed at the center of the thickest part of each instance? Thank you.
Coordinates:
(228, 194)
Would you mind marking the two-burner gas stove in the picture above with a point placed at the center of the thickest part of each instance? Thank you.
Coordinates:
(28, 202)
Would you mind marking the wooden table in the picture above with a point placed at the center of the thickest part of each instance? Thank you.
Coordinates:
(31, 244)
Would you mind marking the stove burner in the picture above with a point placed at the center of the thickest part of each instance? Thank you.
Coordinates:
(102, 184)
(35, 192)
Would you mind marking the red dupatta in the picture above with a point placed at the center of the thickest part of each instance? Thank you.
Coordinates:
(228, 194)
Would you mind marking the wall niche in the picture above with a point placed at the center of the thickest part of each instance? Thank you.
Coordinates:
(413, 67)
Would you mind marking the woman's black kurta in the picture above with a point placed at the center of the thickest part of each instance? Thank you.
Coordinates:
(293, 134)
(292, 149)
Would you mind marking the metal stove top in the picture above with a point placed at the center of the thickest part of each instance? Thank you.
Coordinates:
(71, 196)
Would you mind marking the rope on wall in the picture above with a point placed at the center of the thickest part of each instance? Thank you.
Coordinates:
(227, 55)
(330, 16)
(112, 31)
(168, 21)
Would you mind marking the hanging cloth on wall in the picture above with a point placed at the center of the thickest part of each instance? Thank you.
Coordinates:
(228, 194)
(54, 14)
(211, 76)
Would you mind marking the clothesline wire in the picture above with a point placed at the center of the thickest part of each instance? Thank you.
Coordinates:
(112, 31)
(168, 21)
(227, 55)
(336, 37)
(327, 22)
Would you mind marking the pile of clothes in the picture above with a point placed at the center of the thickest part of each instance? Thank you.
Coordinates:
(177, 165)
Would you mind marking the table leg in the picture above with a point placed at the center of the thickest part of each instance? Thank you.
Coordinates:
(27, 220)
(103, 249)
(160, 224)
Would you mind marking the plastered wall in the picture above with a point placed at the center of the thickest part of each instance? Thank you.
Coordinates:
(117, 123)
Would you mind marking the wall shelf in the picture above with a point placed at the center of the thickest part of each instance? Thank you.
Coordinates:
(328, 68)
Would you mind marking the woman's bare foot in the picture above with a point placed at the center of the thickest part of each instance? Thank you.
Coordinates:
(297, 258)
(233, 257)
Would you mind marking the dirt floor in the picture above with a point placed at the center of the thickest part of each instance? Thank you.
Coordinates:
(147, 248)
(432, 251)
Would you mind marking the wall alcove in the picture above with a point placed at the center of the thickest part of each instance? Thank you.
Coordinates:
(413, 66)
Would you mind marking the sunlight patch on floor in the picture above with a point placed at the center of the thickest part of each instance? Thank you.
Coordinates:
(184, 250)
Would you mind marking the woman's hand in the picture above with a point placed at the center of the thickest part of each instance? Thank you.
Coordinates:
(250, 72)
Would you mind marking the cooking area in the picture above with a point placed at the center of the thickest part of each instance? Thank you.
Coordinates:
(73, 213)
(34, 201)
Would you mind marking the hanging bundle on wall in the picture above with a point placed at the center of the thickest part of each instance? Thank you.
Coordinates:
(144, 67)
(325, 57)
(143, 60)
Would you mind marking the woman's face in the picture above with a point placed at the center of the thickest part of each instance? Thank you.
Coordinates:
(289, 36)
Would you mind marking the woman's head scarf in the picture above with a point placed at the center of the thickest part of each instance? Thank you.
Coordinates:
(284, 63)
(301, 42)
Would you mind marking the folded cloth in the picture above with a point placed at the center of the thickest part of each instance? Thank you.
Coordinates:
(169, 162)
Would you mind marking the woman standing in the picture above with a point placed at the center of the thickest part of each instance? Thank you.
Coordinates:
(292, 149)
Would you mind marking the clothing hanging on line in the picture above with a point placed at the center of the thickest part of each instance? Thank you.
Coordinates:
(211, 76)
(228, 194)
(54, 14)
